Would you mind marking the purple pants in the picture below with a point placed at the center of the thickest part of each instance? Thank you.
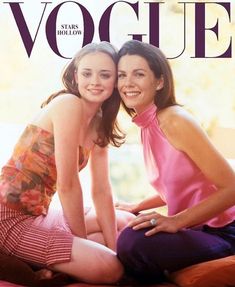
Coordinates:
(150, 258)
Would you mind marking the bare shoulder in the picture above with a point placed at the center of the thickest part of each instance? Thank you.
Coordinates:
(65, 99)
(178, 125)
(65, 105)
(175, 117)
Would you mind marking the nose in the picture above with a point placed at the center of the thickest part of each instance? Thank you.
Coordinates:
(95, 79)
(128, 81)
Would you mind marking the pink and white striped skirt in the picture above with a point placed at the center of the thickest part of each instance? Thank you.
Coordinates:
(38, 240)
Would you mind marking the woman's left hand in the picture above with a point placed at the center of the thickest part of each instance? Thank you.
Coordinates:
(157, 222)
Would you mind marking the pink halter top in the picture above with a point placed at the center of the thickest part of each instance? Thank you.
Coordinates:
(176, 178)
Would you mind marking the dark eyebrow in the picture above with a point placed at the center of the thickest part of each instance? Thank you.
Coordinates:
(106, 71)
(88, 69)
(135, 70)
(138, 70)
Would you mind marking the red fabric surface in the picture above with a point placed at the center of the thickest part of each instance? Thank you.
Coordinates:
(7, 284)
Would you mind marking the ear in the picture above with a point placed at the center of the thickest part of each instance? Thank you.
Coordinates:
(160, 83)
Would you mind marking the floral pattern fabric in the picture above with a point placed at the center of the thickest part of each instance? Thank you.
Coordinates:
(28, 180)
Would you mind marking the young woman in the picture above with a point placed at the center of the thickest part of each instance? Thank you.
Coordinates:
(74, 124)
(190, 176)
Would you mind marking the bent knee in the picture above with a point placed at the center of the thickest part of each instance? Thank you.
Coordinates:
(111, 271)
(123, 218)
(130, 242)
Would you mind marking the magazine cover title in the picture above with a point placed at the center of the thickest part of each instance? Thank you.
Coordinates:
(76, 24)
(38, 38)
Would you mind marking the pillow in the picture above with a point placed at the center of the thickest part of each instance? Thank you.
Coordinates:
(16, 271)
(214, 273)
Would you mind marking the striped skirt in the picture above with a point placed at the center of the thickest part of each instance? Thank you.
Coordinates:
(38, 240)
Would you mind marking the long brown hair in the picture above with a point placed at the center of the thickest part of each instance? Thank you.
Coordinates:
(108, 130)
(160, 66)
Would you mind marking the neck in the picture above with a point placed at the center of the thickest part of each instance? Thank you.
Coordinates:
(89, 110)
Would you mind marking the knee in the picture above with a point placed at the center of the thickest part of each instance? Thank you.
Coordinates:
(123, 218)
(112, 270)
(130, 242)
(96, 237)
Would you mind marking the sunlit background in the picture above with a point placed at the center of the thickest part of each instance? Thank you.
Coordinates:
(206, 87)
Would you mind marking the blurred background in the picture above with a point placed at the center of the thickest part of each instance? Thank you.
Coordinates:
(206, 87)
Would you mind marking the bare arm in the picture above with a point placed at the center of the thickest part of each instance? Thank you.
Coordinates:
(150, 202)
(67, 110)
(102, 195)
(190, 138)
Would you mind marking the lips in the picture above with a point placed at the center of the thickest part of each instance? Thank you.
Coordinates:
(132, 94)
(95, 91)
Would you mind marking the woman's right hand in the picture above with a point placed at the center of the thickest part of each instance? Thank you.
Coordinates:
(130, 207)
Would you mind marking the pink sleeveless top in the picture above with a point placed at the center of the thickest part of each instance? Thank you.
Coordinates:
(28, 179)
(176, 178)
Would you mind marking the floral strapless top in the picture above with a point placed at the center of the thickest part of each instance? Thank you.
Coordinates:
(28, 180)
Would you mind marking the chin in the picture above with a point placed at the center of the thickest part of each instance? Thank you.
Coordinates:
(95, 100)
(129, 105)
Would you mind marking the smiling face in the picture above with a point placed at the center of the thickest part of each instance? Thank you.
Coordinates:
(96, 77)
(137, 83)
